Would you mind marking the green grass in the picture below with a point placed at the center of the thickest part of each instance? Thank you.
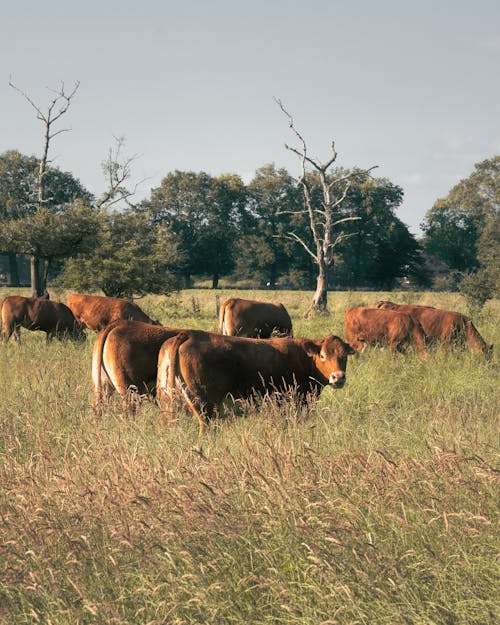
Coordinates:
(378, 505)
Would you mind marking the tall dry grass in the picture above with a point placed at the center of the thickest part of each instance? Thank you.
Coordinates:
(377, 505)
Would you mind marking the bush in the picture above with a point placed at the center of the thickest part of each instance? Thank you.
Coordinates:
(477, 288)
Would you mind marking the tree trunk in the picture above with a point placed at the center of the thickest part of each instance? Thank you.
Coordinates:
(320, 299)
(35, 276)
(44, 277)
(215, 281)
(13, 269)
(38, 279)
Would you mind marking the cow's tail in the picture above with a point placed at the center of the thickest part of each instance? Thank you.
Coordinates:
(5, 325)
(223, 317)
(98, 363)
(174, 374)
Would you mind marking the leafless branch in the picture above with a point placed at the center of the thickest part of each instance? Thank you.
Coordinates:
(290, 123)
(118, 170)
(63, 100)
(339, 221)
(294, 237)
(358, 173)
(316, 163)
(342, 237)
(301, 212)
(60, 95)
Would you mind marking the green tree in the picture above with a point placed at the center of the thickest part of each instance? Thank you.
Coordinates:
(225, 209)
(454, 224)
(51, 234)
(263, 249)
(17, 195)
(63, 225)
(483, 284)
(378, 249)
(132, 258)
(204, 213)
(488, 252)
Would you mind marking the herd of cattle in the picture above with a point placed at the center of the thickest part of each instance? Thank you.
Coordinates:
(255, 351)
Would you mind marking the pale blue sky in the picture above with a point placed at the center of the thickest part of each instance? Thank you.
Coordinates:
(410, 86)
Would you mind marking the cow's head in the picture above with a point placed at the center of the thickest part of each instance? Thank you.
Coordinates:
(330, 359)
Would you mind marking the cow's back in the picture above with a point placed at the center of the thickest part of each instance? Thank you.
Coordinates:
(14, 311)
(50, 316)
(437, 324)
(97, 311)
(444, 326)
(127, 351)
(364, 325)
(254, 319)
(54, 318)
(237, 365)
(374, 322)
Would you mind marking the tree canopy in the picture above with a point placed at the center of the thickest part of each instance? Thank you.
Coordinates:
(131, 258)
(205, 214)
(454, 224)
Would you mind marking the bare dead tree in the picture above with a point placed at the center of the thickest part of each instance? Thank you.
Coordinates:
(117, 170)
(58, 106)
(324, 219)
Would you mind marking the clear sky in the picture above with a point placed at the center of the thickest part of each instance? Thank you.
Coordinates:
(413, 87)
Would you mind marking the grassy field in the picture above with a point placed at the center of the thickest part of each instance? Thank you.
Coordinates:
(378, 505)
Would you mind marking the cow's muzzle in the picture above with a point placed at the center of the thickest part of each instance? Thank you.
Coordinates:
(337, 379)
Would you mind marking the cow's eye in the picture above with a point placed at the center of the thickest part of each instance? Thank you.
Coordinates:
(322, 356)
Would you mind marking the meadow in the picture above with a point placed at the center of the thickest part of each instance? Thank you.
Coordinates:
(377, 505)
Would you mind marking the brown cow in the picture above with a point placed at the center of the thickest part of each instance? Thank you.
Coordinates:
(208, 367)
(250, 318)
(369, 326)
(97, 311)
(443, 326)
(53, 318)
(125, 356)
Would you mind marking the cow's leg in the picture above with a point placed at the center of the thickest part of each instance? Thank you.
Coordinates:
(400, 346)
(11, 329)
(15, 331)
(6, 332)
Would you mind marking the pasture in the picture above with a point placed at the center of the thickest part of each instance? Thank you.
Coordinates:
(378, 505)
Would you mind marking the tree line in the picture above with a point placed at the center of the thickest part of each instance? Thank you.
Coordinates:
(196, 225)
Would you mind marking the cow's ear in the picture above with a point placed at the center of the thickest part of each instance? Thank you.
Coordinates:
(350, 349)
(312, 348)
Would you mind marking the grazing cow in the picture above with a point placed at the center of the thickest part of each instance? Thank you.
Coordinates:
(208, 367)
(443, 326)
(97, 311)
(246, 317)
(369, 326)
(53, 318)
(125, 356)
